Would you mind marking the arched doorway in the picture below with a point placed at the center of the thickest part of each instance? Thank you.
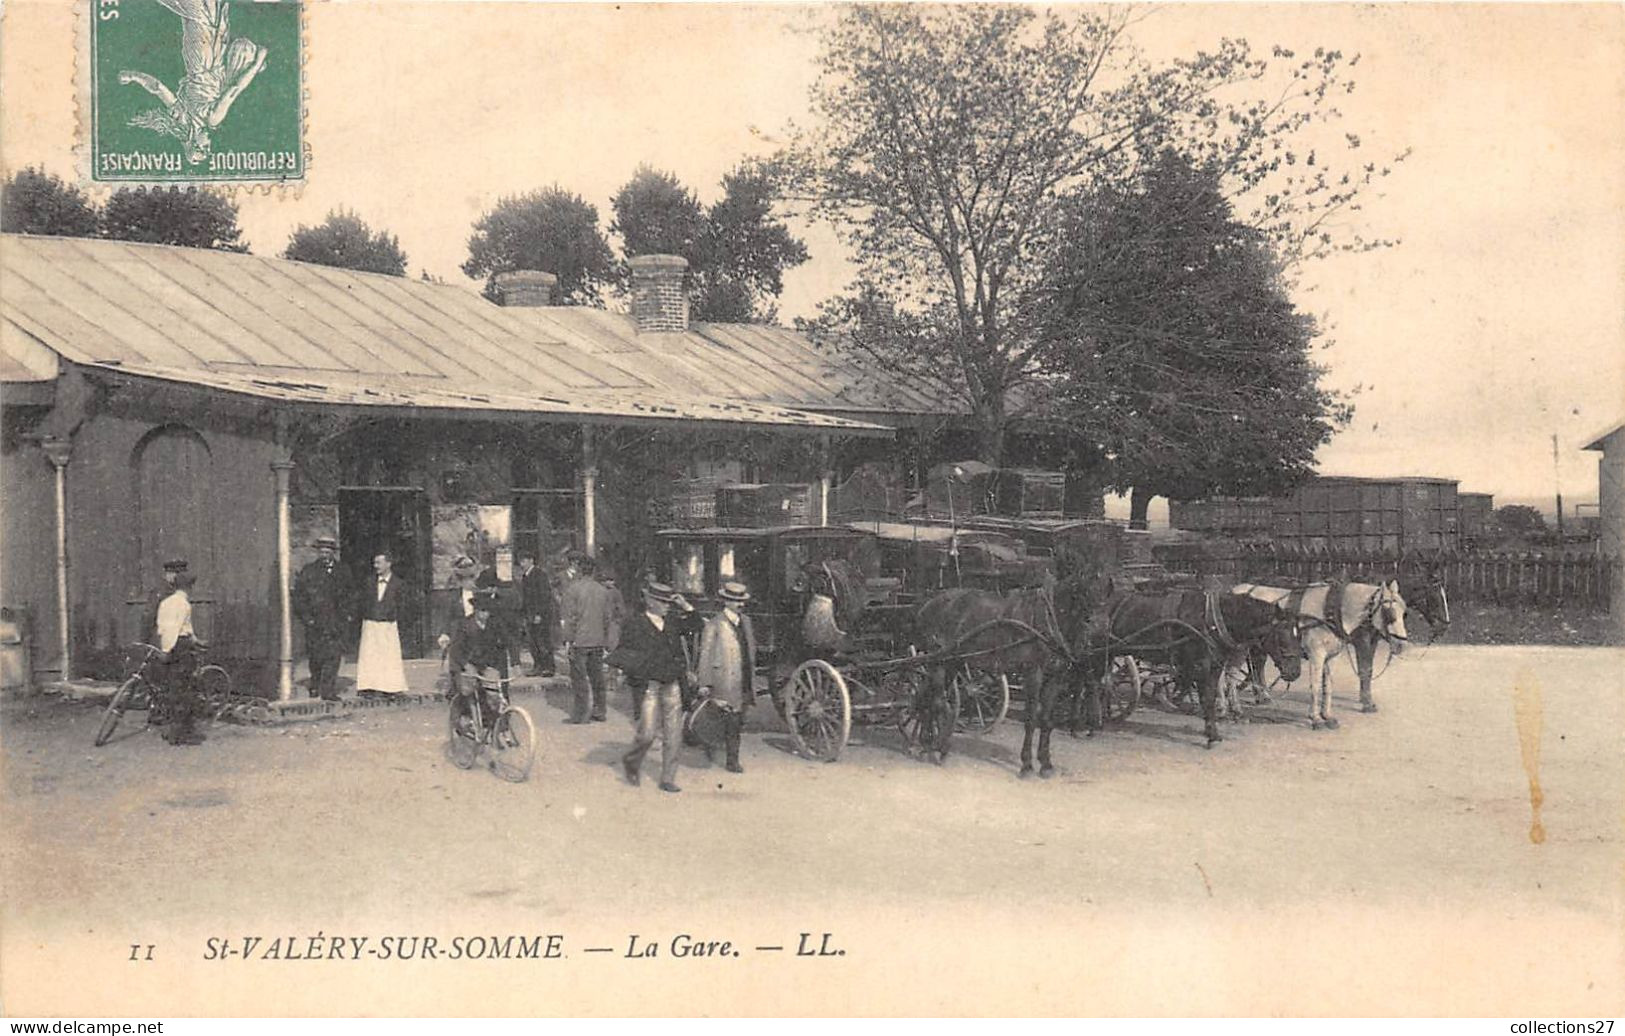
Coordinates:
(172, 470)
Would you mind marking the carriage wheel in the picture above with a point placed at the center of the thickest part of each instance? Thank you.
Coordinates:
(984, 699)
(912, 722)
(818, 709)
(1123, 687)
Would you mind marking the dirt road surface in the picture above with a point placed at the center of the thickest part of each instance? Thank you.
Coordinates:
(1383, 868)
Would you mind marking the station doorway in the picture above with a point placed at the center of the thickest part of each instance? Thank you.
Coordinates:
(393, 519)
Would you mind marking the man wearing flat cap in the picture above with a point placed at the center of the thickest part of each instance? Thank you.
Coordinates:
(727, 664)
(591, 613)
(149, 620)
(321, 601)
(178, 662)
(651, 655)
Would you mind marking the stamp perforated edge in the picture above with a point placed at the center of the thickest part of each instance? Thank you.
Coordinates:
(84, 153)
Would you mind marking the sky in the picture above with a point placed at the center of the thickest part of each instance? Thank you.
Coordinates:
(1497, 322)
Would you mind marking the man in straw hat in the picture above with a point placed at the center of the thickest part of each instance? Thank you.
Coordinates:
(651, 655)
(727, 664)
(321, 604)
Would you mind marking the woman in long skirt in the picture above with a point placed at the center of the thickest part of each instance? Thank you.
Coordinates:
(379, 669)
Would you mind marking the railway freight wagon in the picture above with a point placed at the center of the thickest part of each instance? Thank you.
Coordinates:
(1340, 513)
(1386, 514)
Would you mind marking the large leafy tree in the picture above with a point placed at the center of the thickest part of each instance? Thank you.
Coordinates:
(552, 230)
(191, 218)
(737, 250)
(36, 202)
(345, 240)
(1172, 341)
(945, 140)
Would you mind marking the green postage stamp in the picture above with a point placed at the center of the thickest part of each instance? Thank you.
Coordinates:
(196, 91)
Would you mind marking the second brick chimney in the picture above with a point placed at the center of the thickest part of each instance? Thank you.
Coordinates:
(659, 299)
(525, 288)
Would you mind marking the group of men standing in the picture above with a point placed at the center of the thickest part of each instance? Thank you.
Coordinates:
(651, 648)
(325, 605)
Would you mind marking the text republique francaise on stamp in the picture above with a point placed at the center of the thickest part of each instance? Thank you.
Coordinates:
(195, 91)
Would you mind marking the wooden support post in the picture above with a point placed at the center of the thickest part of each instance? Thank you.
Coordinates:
(59, 451)
(825, 478)
(589, 492)
(283, 467)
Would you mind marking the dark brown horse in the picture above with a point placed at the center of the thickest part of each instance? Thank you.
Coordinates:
(1196, 632)
(1014, 633)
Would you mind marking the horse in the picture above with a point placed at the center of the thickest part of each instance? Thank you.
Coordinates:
(1199, 632)
(1018, 631)
(1334, 616)
(1421, 583)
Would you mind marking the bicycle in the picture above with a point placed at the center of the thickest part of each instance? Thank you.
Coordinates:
(509, 739)
(140, 692)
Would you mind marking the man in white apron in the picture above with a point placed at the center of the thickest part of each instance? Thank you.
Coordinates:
(379, 670)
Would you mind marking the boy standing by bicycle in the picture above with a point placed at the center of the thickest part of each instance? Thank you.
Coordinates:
(179, 661)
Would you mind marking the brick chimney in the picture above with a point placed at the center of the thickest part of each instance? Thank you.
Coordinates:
(525, 288)
(659, 303)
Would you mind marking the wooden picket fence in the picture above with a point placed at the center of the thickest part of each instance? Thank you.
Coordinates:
(1546, 579)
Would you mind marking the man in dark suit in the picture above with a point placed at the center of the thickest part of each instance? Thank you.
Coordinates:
(536, 608)
(321, 602)
(651, 655)
(479, 646)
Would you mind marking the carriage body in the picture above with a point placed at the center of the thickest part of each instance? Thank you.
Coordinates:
(866, 675)
(774, 564)
(927, 558)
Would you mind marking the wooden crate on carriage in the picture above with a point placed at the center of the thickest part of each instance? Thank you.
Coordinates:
(1029, 493)
(694, 503)
(765, 505)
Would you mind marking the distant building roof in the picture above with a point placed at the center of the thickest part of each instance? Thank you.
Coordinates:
(155, 308)
(1600, 442)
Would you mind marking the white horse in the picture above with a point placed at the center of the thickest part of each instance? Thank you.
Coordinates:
(1359, 615)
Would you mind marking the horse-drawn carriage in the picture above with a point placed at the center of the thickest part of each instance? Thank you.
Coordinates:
(846, 637)
(836, 643)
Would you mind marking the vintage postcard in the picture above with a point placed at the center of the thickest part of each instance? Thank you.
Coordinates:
(547, 510)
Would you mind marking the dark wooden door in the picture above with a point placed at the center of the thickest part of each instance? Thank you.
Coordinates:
(173, 473)
(397, 521)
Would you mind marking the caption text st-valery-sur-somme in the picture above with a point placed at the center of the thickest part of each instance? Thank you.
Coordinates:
(323, 947)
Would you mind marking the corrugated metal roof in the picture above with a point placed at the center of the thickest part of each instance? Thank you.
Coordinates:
(193, 309)
(748, 361)
(438, 395)
(22, 359)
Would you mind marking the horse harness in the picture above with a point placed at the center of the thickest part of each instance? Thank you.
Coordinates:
(1333, 619)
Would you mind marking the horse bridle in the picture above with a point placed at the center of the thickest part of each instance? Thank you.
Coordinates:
(1380, 603)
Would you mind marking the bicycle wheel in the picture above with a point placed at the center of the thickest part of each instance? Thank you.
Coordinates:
(115, 709)
(513, 744)
(462, 742)
(213, 686)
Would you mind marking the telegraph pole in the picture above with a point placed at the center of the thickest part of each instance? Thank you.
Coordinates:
(1557, 481)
